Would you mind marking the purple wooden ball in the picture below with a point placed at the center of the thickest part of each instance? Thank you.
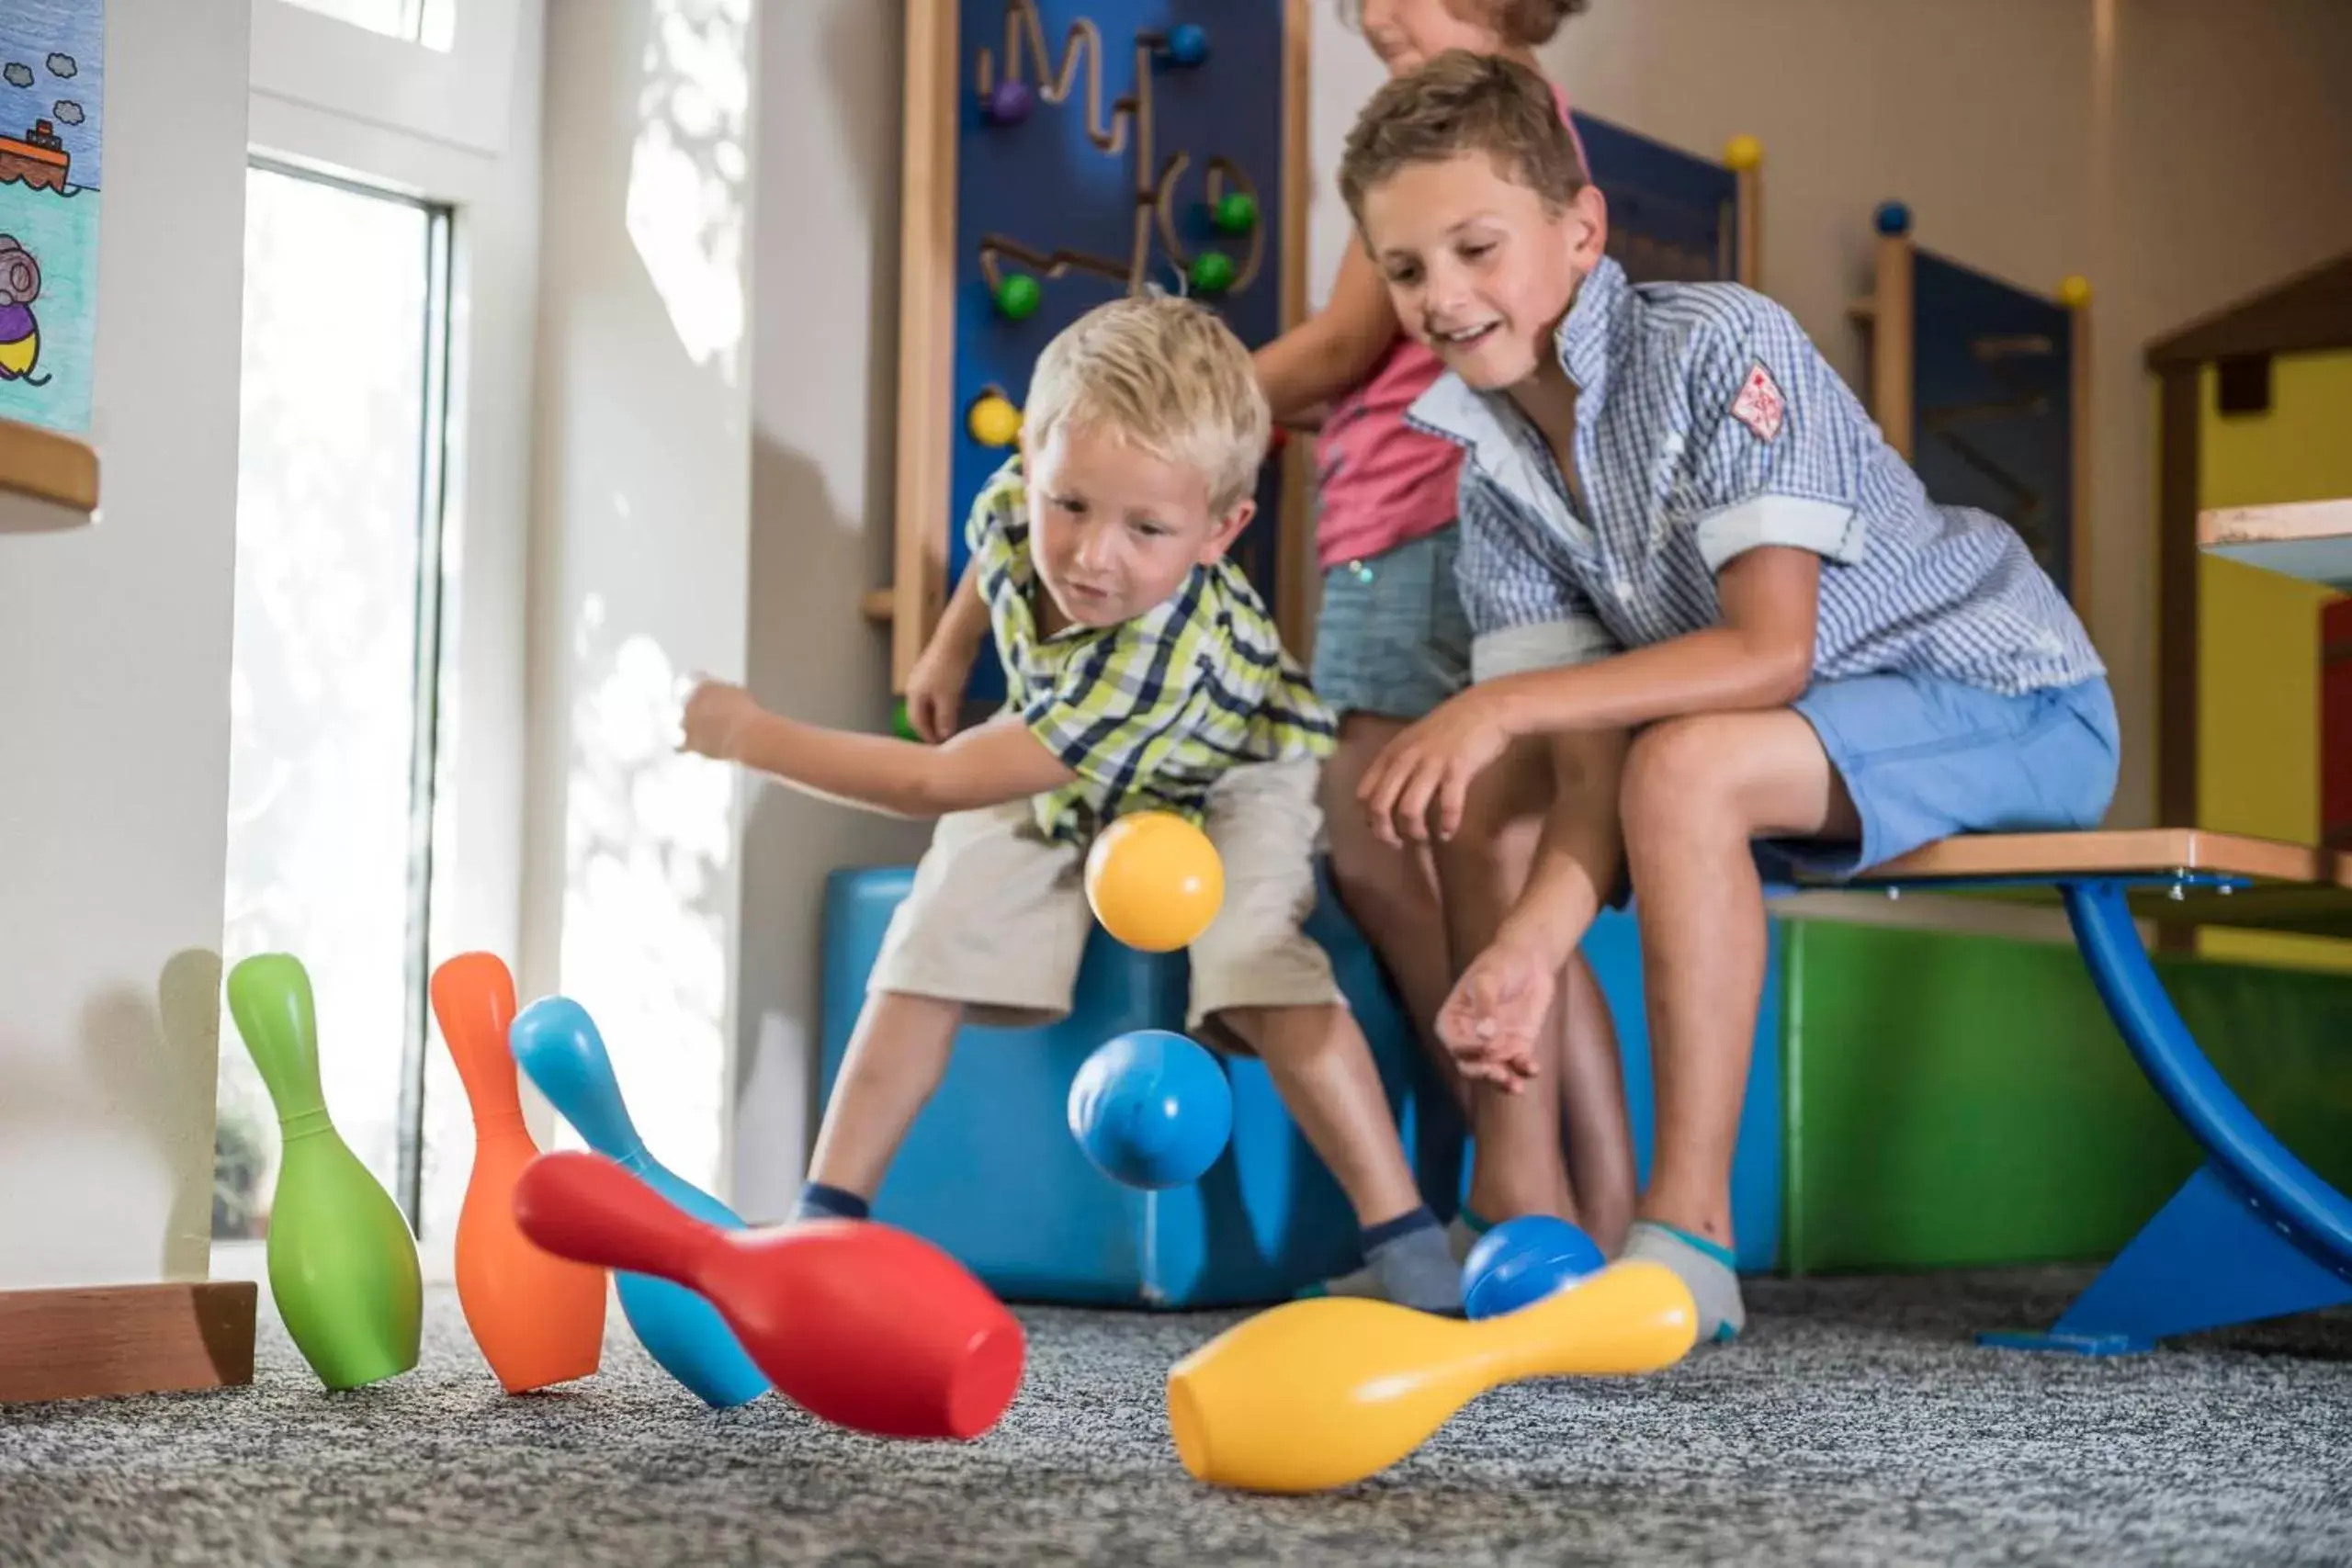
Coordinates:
(1010, 101)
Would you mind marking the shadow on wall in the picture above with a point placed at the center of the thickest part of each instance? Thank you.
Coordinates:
(124, 1135)
(822, 497)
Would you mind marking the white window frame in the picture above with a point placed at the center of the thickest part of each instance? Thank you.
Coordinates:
(458, 128)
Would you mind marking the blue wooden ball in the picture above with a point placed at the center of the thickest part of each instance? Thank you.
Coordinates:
(1151, 1108)
(1188, 43)
(1892, 218)
(1521, 1261)
(1010, 101)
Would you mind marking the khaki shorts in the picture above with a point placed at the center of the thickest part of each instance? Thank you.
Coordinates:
(998, 918)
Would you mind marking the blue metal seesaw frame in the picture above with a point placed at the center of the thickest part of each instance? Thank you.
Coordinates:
(2254, 1233)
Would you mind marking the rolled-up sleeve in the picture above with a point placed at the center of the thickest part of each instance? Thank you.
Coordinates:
(1780, 457)
(1526, 612)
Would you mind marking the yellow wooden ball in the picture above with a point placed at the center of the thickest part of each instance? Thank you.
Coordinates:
(2074, 291)
(1744, 152)
(1154, 880)
(994, 422)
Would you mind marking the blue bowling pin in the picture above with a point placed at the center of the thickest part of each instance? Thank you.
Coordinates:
(556, 1044)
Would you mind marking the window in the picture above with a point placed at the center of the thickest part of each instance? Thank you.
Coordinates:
(427, 22)
(334, 683)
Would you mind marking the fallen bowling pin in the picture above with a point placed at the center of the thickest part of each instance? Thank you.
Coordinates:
(557, 1044)
(859, 1324)
(1323, 1392)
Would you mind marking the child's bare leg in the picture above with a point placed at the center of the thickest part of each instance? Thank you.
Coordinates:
(1599, 1154)
(1322, 1067)
(1697, 792)
(1390, 893)
(895, 1060)
(1487, 870)
(1256, 975)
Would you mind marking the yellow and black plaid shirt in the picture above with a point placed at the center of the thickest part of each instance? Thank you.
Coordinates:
(1148, 712)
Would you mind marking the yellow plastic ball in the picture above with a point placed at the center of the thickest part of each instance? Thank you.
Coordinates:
(1154, 880)
(1743, 152)
(994, 422)
(2074, 291)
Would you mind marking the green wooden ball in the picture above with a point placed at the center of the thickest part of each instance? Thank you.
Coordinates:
(1213, 272)
(1235, 211)
(1018, 296)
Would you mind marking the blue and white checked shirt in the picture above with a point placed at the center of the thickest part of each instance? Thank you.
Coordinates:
(1687, 458)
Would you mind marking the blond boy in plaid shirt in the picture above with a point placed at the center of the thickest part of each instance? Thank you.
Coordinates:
(1142, 672)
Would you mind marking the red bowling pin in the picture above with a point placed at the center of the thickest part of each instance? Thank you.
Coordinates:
(859, 1324)
(538, 1318)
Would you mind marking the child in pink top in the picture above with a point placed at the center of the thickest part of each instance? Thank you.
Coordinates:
(1391, 643)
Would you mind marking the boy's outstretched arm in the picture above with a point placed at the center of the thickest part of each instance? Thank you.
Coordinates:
(1330, 353)
(999, 761)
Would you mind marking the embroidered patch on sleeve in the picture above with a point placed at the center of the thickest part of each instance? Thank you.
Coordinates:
(1760, 406)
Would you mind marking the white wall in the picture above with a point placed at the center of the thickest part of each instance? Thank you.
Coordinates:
(823, 366)
(640, 546)
(115, 704)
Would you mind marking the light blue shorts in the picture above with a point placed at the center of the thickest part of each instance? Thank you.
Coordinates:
(1926, 758)
(1392, 637)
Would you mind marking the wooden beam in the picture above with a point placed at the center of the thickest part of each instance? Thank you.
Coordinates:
(2309, 312)
(2154, 851)
(46, 466)
(1894, 322)
(118, 1340)
(2177, 598)
(934, 97)
(2304, 520)
(879, 605)
(1294, 600)
(2079, 540)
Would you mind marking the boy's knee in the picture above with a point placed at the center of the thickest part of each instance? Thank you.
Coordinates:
(1384, 889)
(1677, 771)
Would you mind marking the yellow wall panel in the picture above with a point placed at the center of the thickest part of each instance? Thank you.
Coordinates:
(2257, 648)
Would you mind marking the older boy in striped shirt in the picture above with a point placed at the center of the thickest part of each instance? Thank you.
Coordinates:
(1142, 672)
(1691, 562)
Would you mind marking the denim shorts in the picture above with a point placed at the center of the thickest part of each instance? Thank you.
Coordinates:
(1392, 638)
(1924, 759)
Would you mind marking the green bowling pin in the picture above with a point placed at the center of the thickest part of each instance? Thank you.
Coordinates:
(342, 1263)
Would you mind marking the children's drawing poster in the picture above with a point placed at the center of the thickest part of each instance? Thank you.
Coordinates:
(52, 100)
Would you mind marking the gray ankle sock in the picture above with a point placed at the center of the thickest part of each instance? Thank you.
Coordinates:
(1704, 1266)
(1414, 1267)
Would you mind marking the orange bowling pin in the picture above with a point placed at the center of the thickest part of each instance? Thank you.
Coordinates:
(1323, 1392)
(538, 1318)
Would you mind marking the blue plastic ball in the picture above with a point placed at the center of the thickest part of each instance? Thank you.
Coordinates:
(1521, 1261)
(1188, 43)
(1151, 1108)
(1892, 218)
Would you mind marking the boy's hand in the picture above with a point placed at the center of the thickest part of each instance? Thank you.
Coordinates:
(1490, 1022)
(715, 719)
(1430, 765)
(935, 690)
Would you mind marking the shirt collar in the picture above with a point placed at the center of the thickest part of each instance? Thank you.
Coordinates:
(1453, 410)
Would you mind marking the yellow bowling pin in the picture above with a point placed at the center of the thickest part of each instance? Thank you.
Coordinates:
(1323, 1392)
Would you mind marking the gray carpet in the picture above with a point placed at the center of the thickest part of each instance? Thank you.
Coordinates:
(1856, 1424)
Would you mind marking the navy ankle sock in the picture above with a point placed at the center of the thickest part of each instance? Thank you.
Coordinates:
(818, 1201)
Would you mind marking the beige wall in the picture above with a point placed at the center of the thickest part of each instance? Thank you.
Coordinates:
(115, 640)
